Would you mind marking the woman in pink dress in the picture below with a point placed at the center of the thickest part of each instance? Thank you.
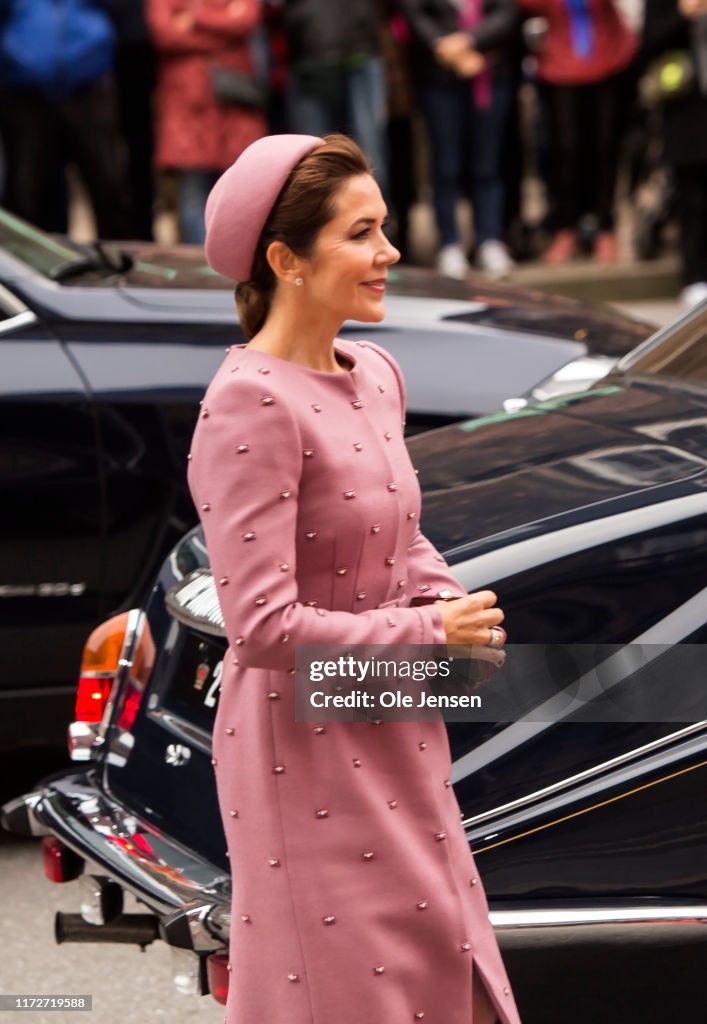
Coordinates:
(355, 896)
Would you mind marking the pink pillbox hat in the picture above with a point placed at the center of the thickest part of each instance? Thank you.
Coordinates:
(240, 202)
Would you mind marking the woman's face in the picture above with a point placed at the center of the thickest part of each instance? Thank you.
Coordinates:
(346, 273)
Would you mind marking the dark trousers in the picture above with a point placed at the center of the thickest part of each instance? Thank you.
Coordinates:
(466, 147)
(135, 81)
(691, 201)
(41, 134)
(586, 125)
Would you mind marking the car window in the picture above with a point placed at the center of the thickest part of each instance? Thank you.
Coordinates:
(678, 354)
(39, 251)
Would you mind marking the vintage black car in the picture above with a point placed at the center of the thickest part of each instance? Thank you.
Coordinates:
(588, 516)
(104, 357)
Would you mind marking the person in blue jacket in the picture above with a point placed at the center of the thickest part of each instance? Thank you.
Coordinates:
(58, 104)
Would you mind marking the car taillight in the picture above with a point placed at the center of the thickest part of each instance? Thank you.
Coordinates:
(99, 666)
(60, 863)
(218, 974)
(123, 642)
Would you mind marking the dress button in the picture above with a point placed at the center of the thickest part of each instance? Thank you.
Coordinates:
(392, 623)
(506, 991)
(241, 449)
(234, 814)
(317, 408)
(239, 641)
(318, 730)
(368, 855)
(349, 494)
(311, 536)
(390, 561)
(423, 905)
(447, 783)
(260, 601)
(474, 881)
(419, 1015)
(285, 494)
(308, 453)
(401, 584)
(205, 414)
(323, 813)
(381, 388)
(379, 970)
(268, 400)
(358, 404)
(293, 977)
(274, 862)
(411, 515)
(230, 731)
(356, 762)
(206, 507)
(329, 919)
(465, 947)
(439, 836)
(392, 487)
(422, 587)
(278, 769)
(392, 804)
(273, 695)
(249, 535)
(422, 746)
(342, 571)
(284, 638)
(284, 567)
(245, 918)
(357, 446)
(387, 436)
(361, 595)
(376, 528)
(224, 581)
(264, 370)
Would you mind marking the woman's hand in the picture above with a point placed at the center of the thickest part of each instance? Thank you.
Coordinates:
(468, 620)
(449, 49)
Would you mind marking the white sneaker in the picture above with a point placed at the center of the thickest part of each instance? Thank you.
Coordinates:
(451, 262)
(493, 259)
(693, 295)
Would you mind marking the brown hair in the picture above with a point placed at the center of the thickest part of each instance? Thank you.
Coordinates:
(303, 207)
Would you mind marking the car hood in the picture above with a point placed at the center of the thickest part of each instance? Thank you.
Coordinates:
(520, 473)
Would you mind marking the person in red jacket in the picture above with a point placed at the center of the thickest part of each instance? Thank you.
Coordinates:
(198, 135)
(583, 70)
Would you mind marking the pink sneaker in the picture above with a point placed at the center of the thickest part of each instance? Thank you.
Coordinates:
(562, 248)
(605, 248)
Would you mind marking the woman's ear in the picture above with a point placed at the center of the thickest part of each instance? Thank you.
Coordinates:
(285, 265)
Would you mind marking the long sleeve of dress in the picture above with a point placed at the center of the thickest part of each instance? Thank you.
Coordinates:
(244, 475)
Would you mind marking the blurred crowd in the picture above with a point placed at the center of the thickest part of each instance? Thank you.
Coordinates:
(134, 93)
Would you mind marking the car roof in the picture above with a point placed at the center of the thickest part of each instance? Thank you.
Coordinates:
(494, 480)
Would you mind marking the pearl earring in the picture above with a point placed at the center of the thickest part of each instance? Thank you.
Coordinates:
(299, 282)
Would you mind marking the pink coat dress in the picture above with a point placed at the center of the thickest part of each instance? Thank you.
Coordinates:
(372, 912)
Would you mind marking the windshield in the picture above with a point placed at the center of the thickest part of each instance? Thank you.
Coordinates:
(679, 353)
(39, 251)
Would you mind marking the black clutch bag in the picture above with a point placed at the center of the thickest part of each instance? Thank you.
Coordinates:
(237, 88)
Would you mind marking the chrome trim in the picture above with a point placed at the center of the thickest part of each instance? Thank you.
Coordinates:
(194, 602)
(588, 773)
(532, 918)
(84, 739)
(13, 305)
(133, 633)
